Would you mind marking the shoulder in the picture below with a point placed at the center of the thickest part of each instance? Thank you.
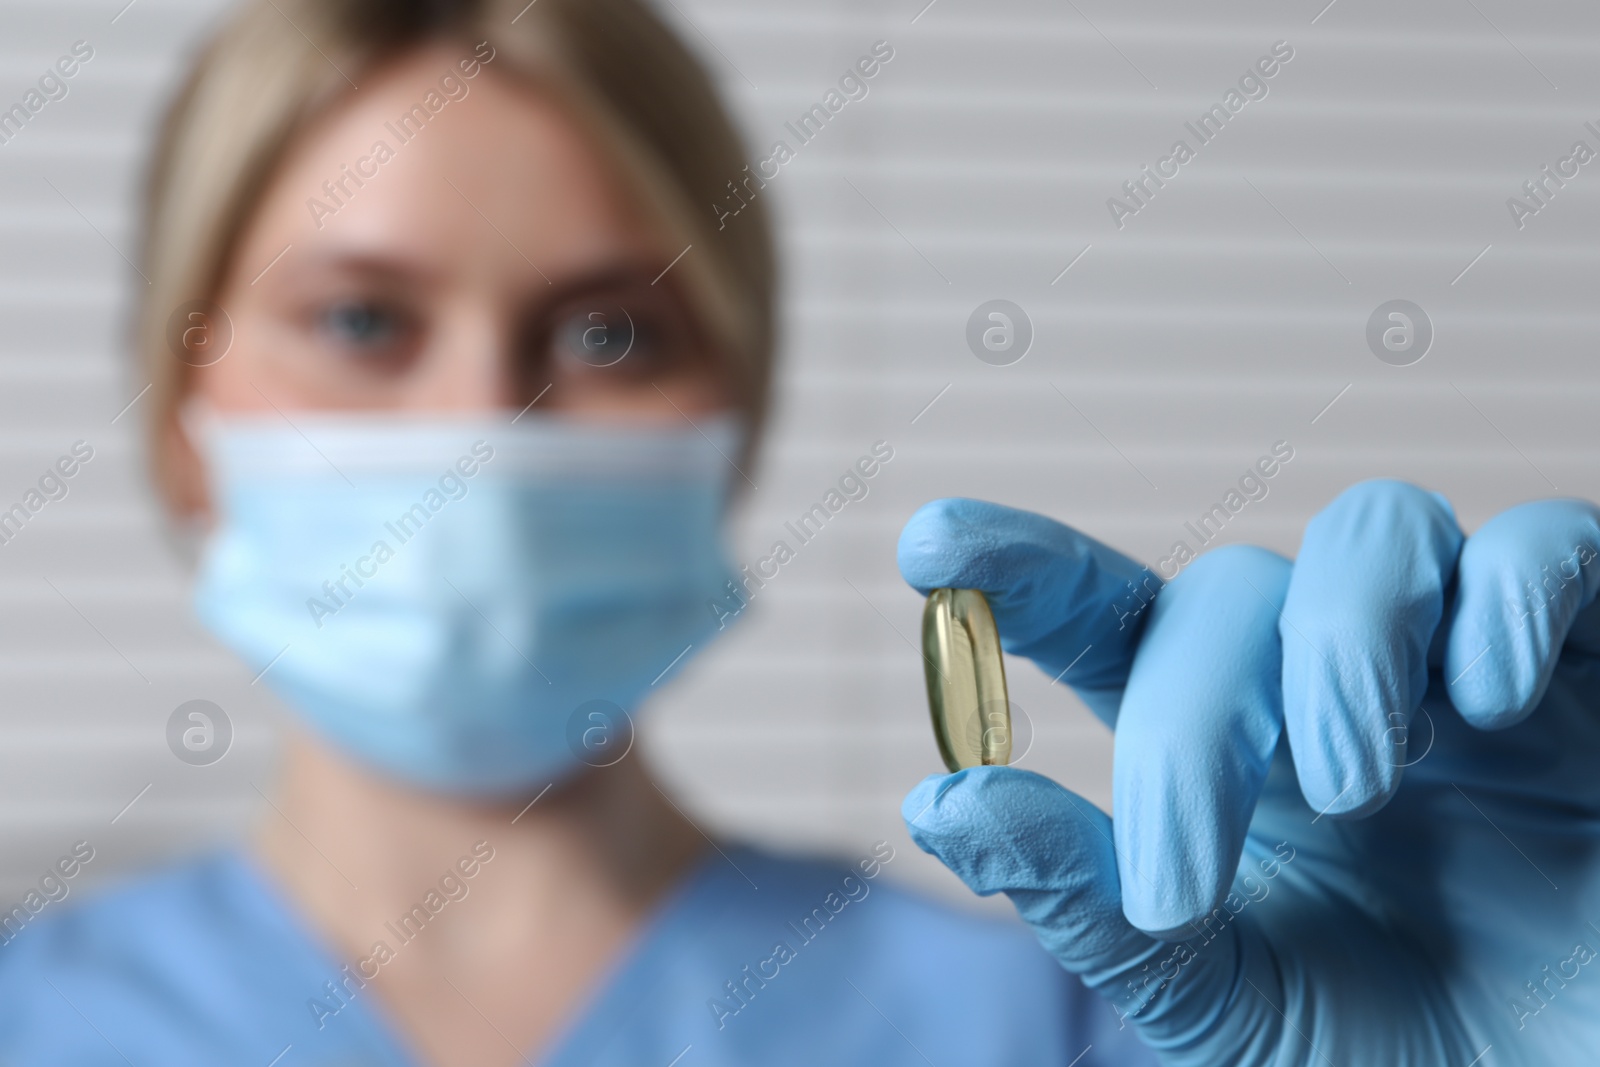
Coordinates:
(185, 965)
(123, 926)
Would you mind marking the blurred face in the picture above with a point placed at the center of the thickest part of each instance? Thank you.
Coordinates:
(487, 262)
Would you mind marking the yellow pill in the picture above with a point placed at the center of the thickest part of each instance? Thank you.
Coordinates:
(966, 679)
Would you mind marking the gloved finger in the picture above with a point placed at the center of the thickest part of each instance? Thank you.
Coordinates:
(1524, 578)
(1200, 720)
(1364, 601)
(1059, 597)
(1006, 830)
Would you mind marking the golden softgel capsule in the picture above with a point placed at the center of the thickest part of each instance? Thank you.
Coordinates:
(966, 679)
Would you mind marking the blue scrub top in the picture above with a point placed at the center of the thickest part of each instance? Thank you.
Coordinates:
(204, 964)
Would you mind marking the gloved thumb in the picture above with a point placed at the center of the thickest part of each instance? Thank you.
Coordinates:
(1007, 830)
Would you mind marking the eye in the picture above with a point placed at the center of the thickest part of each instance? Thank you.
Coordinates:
(633, 336)
(363, 325)
(601, 335)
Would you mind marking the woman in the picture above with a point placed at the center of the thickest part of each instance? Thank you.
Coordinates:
(459, 414)
(456, 374)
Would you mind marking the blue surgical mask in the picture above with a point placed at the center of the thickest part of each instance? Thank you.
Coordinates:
(465, 604)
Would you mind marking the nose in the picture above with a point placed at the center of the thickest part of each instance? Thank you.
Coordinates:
(471, 363)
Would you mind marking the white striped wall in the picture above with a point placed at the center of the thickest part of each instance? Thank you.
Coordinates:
(1224, 316)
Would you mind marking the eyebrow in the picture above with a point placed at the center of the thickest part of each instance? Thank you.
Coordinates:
(396, 268)
(367, 264)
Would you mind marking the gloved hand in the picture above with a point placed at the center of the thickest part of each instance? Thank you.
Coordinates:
(1357, 800)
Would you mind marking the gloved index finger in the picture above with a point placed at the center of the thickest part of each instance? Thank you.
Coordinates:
(1060, 598)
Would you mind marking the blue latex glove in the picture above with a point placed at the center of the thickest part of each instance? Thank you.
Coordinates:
(1358, 800)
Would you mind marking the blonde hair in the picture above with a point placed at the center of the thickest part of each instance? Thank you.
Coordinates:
(616, 69)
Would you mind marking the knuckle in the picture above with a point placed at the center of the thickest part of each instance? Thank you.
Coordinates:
(1353, 511)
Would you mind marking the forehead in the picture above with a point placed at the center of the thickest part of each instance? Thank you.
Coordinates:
(479, 176)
